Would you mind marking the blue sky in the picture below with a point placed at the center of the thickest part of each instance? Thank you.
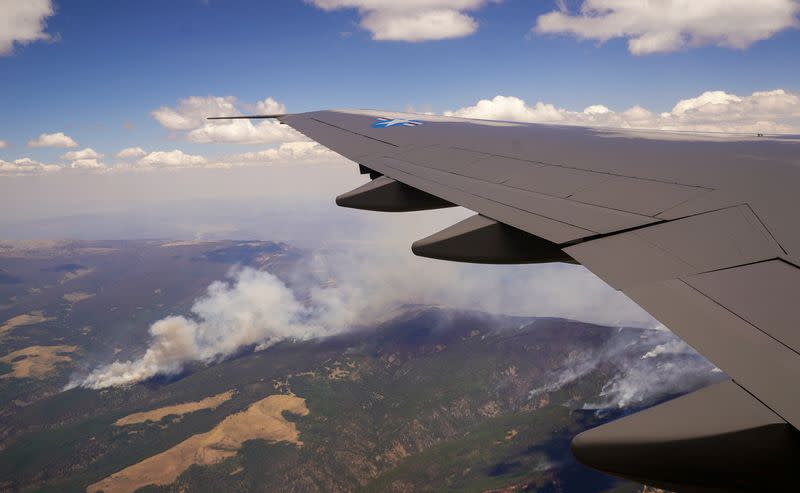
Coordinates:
(110, 64)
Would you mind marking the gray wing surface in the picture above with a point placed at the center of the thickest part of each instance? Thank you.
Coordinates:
(700, 230)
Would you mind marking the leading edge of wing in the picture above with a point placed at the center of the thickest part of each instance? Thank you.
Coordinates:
(273, 116)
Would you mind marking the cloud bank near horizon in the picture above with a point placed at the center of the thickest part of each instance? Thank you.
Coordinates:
(770, 111)
(773, 111)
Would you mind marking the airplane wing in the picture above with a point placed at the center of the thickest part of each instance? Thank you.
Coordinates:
(701, 230)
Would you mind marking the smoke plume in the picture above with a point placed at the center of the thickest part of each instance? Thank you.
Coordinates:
(644, 369)
(349, 283)
(255, 308)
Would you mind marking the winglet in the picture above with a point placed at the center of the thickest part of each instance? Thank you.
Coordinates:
(246, 117)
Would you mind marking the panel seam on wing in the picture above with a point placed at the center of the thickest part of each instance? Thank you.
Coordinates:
(684, 281)
(546, 163)
(525, 211)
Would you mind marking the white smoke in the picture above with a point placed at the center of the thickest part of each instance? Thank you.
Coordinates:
(256, 308)
(642, 382)
(356, 283)
(656, 365)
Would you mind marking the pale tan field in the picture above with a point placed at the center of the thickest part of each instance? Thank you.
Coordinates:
(36, 361)
(77, 296)
(75, 274)
(31, 318)
(179, 409)
(262, 420)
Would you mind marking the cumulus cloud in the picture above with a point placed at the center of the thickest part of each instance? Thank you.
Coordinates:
(776, 111)
(411, 20)
(131, 153)
(87, 164)
(292, 153)
(85, 159)
(57, 139)
(26, 166)
(4, 144)
(171, 159)
(670, 25)
(189, 119)
(192, 112)
(87, 153)
(23, 22)
(303, 153)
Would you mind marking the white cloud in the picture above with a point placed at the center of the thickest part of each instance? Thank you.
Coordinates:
(172, 159)
(669, 25)
(23, 22)
(87, 153)
(85, 159)
(411, 20)
(776, 111)
(87, 164)
(26, 166)
(57, 139)
(131, 153)
(4, 144)
(192, 112)
(189, 118)
(269, 107)
(290, 153)
(510, 108)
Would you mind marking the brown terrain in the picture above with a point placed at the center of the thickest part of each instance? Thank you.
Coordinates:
(177, 410)
(77, 296)
(31, 318)
(36, 361)
(262, 420)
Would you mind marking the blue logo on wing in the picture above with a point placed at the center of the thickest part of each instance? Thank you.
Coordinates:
(395, 122)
